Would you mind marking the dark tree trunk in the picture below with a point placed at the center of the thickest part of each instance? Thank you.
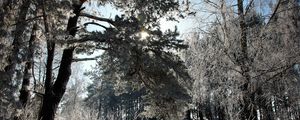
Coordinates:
(247, 112)
(208, 112)
(4, 76)
(25, 92)
(14, 58)
(221, 113)
(54, 92)
(52, 99)
(199, 111)
(188, 115)
(18, 38)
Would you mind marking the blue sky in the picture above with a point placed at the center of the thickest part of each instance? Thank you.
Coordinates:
(108, 11)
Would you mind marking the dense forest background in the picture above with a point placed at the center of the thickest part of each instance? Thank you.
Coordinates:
(238, 61)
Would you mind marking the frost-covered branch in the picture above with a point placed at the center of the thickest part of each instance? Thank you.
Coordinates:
(85, 59)
(275, 11)
(94, 23)
(82, 40)
(97, 18)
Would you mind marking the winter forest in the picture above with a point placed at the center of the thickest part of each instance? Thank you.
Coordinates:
(149, 60)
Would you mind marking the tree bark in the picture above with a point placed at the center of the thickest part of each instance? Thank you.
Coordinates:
(47, 111)
(188, 115)
(25, 92)
(54, 92)
(248, 111)
(14, 58)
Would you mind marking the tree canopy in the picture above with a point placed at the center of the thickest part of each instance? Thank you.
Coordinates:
(238, 62)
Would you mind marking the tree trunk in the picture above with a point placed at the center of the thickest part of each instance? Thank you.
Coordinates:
(248, 111)
(54, 92)
(18, 38)
(188, 115)
(14, 58)
(52, 99)
(25, 92)
(208, 113)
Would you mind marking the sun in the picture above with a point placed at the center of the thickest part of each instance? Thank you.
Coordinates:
(144, 34)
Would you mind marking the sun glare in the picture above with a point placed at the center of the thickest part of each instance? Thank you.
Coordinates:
(144, 34)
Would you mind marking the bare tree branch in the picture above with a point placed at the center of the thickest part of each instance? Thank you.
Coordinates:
(85, 59)
(283, 68)
(275, 11)
(38, 94)
(97, 18)
(212, 3)
(94, 23)
(249, 6)
(72, 41)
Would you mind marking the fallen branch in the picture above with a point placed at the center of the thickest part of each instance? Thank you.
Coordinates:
(85, 59)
